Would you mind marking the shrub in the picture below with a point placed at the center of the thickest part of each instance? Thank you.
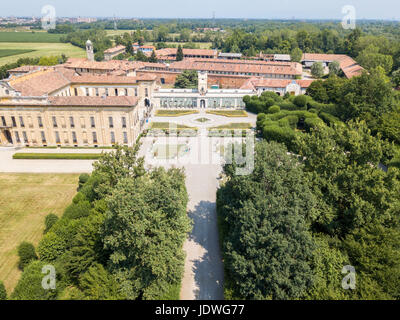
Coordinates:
(274, 109)
(29, 287)
(290, 121)
(83, 178)
(287, 105)
(312, 123)
(50, 221)
(77, 210)
(300, 101)
(329, 119)
(80, 197)
(3, 292)
(26, 253)
(283, 135)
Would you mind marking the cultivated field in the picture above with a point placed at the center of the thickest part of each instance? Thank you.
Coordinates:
(29, 37)
(38, 50)
(25, 200)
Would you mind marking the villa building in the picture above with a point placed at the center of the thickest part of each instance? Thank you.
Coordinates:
(109, 54)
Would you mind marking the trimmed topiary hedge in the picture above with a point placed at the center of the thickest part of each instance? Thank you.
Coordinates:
(57, 156)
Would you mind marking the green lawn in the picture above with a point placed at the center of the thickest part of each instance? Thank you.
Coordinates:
(174, 113)
(57, 156)
(38, 37)
(233, 126)
(38, 50)
(25, 200)
(168, 125)
(229, 113)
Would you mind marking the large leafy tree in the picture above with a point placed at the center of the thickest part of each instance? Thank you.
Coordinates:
(187, 79)
(267, 246)
(144, 231)
(343, 168)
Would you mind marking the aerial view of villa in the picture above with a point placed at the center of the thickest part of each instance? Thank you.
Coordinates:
(207, 154)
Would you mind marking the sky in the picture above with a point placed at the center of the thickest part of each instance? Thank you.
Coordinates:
(250, 9)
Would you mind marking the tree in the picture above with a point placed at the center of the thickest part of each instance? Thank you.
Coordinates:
(317, 70)
(266, 243)
(50, 220)
(370, 59)
(296, 55)
(187, 79)
(29, 286)
(83, 178)
(396, 78)
(26, 253)
(153, 57)
(343, 168)
(3, 292)
(98, 284)
(146, 253)
(140, 56)
(334, 68)
(179, 54)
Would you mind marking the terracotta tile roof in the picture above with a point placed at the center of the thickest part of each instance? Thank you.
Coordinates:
(24, 69)
(348, 65)
(255, 82)
(240, 67)
(103, 65)
(122, 101)
(170, 53)
(42, 82)
(115, 49)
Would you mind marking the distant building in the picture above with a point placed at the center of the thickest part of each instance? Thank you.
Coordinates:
(279, 86)
(282, 57)
(347, 64)
(230, 55)
(169, 54)
(109, 54)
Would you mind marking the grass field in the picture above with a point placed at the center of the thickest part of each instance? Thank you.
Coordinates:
(12, 52)
(229, 113)
(40, 37)
(40, 49)
(174, 113)
(25, 200)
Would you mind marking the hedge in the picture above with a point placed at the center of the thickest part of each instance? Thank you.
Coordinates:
(284, 135)
(57, 156)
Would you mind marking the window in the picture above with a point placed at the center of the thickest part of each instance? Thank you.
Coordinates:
(92, 122)
(116, 92)
(21, 121)
(125, 138)
(123, 122)
(107, 92)
(146, 90)
(87, 92)
(126, 92)
(111, 122)
(14, 123)
(3, 120)
(76, 91)
(94, 137)
(112, 137)
(136, 92)
(97, 92)
(25, 137)
(74, 139)
(40, 122)
(71, 121)
(43, 136)
(17, 138)
(58, 140)
(54, 122)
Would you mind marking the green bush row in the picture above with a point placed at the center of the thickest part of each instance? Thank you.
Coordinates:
(57, 156)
